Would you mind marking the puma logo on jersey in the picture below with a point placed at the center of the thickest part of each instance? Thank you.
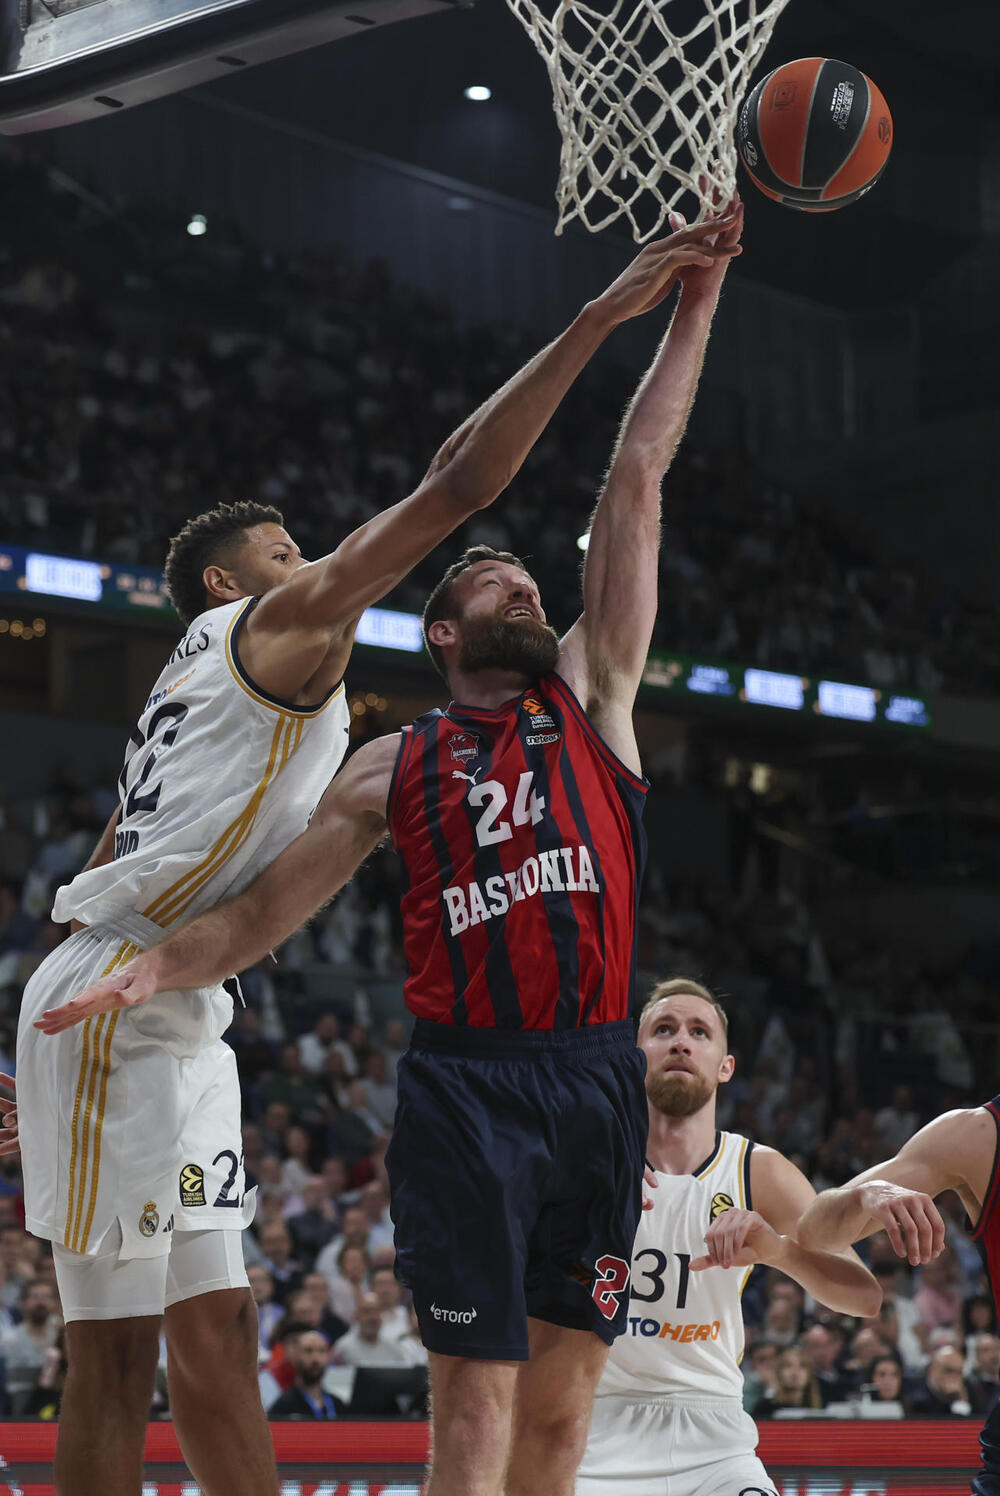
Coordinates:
(470, 778)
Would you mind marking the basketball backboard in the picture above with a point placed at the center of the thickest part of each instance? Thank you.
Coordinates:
(62, 61)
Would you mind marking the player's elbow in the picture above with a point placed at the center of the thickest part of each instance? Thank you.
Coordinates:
(869, 1301)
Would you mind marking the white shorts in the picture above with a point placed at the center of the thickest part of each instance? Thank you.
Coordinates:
(670, 1446)
(108, 1286)
(129, 1123)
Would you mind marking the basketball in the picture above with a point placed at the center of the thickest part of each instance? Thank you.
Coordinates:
(815, 134)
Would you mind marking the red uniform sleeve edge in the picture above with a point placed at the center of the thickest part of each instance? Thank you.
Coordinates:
(398, 771)
(562, 690)
(989, 1204)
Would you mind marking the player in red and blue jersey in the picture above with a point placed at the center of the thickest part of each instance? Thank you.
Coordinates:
(960, 1151)
(516, 1161)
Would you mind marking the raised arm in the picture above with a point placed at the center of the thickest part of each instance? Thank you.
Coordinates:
(348, 823)
(741, 1238)
(954, 1152)
(311, 618)
(603, 655)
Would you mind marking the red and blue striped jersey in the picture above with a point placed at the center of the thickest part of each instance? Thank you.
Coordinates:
(987, 1229)
(521, 839)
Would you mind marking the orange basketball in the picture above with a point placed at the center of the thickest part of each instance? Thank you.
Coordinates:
(815, 134)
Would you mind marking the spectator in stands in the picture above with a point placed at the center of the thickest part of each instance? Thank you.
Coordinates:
(316, 1223)
(795, 1386)
(375, 1203)
(897, 1122)
(294, 1086)
(316, 1286)
(295, 1168)
(269, 1314)
(394, 1042)
(380, 1091)
(19, 1255)
(944, 1393)
(887, 1383)
(24, 1347)
(759, 1367)
(939, 1297)
(276, 1249)
(823, 1347)
(322, 1040)
(351, 1131)
(979, 1317)
(309, 1354)
(367, 1343)
(348, 1280)
(867, 1344)
(253, 1052)
(45, 1398)
(389, 1293)
(983, 1379)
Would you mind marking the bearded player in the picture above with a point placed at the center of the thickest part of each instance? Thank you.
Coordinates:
(669, 1402)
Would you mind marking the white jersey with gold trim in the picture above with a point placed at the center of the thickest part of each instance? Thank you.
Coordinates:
(685, 1330)
(218, 779)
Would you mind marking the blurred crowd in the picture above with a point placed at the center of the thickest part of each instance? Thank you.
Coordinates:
(145, 375)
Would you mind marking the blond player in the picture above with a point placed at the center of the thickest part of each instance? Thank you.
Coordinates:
(130, 1124)
(668, 1415)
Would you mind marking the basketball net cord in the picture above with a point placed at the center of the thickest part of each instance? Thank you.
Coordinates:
(646, 114)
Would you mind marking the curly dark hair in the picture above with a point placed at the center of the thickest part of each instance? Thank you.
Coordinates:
(209, 539)
(439, 602)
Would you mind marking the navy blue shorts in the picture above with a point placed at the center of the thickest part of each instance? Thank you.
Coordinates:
(987, 1482)
(516, 1172)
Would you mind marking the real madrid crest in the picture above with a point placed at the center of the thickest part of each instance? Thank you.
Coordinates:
(149, 1220)
(720, 1204)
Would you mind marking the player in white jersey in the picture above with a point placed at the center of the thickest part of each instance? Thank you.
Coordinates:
(130, 1123)
(668, 1416)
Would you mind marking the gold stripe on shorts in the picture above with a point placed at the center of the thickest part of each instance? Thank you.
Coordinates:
(95, 1066)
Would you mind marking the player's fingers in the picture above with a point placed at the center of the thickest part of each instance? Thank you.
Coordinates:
(6, 1149)
(649, 1176)
(699, 1264)
(937, 1225)
(8, 1082)
(911, 1238)
(647, 1203)
(10, 1118)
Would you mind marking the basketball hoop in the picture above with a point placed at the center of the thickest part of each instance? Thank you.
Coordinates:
(646, 112)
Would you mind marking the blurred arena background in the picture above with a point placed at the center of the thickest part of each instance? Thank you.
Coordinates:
(287, 284)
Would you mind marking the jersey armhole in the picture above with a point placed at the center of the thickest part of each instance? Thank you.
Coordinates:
(638, 782)
(251, 687)
(406, 739)
(747, 1191)
(989, 1204)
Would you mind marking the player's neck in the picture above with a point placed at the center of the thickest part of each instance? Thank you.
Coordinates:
(486, 689)
(679, 1145)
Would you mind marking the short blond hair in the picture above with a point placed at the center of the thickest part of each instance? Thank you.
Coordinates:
(673, 986)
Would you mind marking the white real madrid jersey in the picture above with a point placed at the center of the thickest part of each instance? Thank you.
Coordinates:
(218, 778)
(685, 1330)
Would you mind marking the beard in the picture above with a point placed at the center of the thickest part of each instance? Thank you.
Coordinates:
(526, 647)
(679, 1094)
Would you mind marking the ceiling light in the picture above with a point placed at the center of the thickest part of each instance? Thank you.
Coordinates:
(582, 541)
(197, 225)
(478, 93)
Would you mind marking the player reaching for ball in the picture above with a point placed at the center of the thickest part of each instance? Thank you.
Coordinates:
(516, 1160)
(959, 1151)
(131, 1123)
(668, 1410)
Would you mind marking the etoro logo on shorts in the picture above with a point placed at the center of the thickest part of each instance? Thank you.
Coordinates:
(455, 1316)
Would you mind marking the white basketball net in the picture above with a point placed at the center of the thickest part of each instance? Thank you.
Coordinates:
(645, 111)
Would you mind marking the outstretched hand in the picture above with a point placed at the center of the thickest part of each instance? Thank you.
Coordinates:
(738, 1238)
(725, 229)
(9, 1143)
(704, 247)
(127, 988)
